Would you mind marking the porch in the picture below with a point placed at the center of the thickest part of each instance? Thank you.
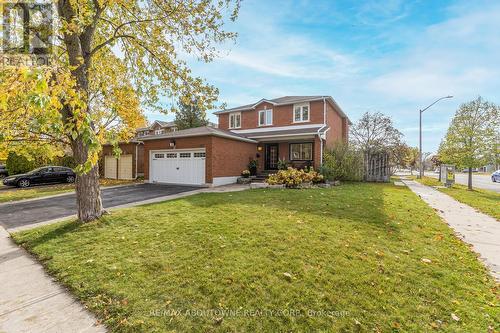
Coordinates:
(297, 153)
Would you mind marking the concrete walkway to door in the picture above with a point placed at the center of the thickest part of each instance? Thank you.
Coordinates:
(479, 230)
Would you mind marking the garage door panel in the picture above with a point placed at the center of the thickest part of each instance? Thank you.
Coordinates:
(110, 167)
(178, 167)
(125, 167)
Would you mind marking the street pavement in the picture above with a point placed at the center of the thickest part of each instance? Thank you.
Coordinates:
(478, 180)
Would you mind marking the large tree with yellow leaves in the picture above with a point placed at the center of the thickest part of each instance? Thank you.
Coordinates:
(111, 56)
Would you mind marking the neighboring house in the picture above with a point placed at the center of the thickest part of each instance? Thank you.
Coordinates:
(489, 168)
(292, 128)
(130, 164)
(158, 127)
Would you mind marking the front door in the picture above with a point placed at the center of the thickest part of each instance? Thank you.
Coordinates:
(271, 162)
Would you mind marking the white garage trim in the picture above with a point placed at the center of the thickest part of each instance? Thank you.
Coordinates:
(177, 166)
(218, 181)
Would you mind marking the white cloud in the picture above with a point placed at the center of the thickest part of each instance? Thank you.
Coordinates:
(458, 56)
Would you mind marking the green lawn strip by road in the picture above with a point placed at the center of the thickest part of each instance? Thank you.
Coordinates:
(484, 201)
(347, 259)
(16, 194)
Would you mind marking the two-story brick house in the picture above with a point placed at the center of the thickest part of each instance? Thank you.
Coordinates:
(296, 129)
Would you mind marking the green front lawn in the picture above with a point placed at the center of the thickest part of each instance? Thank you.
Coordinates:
(353, 258)
(485, 201)
(16, 194)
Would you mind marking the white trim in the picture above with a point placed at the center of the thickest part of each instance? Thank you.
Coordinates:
(285, 135)
(301, 105)
(301, 143)
(229, 119)
(278, 128)
(265, 117)
(219, 181)
(176, 150)
(262, 101)
(177, 136)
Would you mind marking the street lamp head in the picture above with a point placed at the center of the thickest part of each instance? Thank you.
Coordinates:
(449, 96)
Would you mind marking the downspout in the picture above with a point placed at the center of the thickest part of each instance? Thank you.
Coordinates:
(136, 151)
(137, 156)
(319, 135)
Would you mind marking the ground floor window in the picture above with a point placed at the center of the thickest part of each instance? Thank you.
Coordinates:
(301, 151)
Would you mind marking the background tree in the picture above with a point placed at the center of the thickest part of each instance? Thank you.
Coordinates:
(189, 114)
(376, 132)
(411, 158)
(471, 138)
(92, 94)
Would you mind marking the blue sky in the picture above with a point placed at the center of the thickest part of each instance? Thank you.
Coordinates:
(391, 56)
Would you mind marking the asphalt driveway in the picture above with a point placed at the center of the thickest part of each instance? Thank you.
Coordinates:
(20, 214)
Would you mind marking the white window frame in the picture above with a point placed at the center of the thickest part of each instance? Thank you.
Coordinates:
(301, 106)
(234, 114)
(301, 149)
(159, 131)
(268, 113)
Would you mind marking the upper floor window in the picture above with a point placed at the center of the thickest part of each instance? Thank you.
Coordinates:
(235, 120)
(265, 117)
(159, 131)
(300, 112)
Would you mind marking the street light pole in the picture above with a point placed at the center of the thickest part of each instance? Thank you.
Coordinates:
(421, 166)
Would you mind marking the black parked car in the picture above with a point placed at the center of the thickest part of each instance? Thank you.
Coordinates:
(3, 171)
(43, 175)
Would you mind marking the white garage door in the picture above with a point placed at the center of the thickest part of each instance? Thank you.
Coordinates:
(178, 167)
(125, 167)
(110, 167)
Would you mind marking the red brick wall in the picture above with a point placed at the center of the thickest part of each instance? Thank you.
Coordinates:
(282, 116)
(140, 158)
(224, 157)
(345, 130)
(127, 148)
(334, 121)
(180, 143)
(230, 157)
(317, 153)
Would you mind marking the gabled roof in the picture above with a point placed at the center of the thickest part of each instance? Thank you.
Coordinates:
(197, 131)
(162, 124)
(286, 100)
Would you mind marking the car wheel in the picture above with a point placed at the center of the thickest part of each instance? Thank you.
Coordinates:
(70, 179)
(24, 183)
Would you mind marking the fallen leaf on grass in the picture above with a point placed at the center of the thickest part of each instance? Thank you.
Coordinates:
(455, 317)
(427, 261)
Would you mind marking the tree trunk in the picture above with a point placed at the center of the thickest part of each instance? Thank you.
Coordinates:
(469, 181)
(88, 193)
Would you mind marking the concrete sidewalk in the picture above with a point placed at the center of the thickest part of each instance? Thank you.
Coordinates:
(30, 301)
(479, 230)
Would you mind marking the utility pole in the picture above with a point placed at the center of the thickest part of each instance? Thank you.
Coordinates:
(421, 164)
